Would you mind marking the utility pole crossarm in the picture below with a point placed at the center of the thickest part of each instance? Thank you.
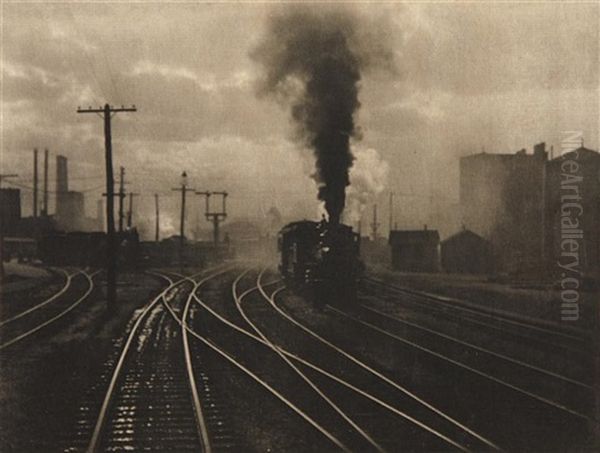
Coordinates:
(111, 109)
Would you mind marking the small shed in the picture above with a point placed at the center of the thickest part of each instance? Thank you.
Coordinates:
(415, 250)
(468, 253)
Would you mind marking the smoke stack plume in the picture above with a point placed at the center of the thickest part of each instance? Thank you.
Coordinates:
(313, 62)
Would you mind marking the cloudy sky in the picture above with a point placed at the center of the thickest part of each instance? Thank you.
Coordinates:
(468, 77)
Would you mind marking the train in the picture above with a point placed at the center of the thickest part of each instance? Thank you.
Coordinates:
(321, 261)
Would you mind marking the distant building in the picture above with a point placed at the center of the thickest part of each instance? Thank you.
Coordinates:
(70, 213)
(70, 207)
(572, 211)
(10, 211)
(415, 250)
(501, 199)
(468, 253)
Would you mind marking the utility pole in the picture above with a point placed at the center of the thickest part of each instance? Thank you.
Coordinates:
(121, 196)
(216, 217)
(157, 237)
(2, 226)
(111, 246)
(391, 219)
(130, 211)
(183, 189)
(375, 224)
(45, 205)
(35, 183)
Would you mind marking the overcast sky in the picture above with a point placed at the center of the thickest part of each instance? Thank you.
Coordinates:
(494, 76)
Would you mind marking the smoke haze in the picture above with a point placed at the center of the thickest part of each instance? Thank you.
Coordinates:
(313, 62)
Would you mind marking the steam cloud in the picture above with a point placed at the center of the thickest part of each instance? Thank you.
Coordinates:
(368, 178)
(313, 62)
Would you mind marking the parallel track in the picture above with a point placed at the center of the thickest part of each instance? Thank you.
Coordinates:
(326, 379)
(548, 334)
(147, 404)
(38, 324)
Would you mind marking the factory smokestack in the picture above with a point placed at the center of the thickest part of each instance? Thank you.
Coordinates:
(312, 61)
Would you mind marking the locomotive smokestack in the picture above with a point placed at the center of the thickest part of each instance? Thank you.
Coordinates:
(313, 62)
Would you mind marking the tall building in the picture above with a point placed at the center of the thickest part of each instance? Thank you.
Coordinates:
(10, 211)
(572, 211)
(501, 198)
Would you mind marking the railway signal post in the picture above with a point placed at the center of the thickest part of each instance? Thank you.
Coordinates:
(216, 217)
(106, 114)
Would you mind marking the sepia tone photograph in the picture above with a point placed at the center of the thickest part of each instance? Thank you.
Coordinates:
(299, 226)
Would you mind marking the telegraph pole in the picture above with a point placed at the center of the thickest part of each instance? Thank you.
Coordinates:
(111, 246)
(2, 222)
(121, 196)
(45, 205)
(183, 189)
(391, 219)
(35, 183)
(130, 211)
(157, 237)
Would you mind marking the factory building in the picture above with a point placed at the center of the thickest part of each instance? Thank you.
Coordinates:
(502, 200)
(415, 250)
(10, 211)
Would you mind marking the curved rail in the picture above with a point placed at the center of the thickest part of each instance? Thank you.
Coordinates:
(238, 298)
(93, 445)
(321, 371)
(47, 301)
(378, 374)
(248, 372)
(202, 428)
(49, 321)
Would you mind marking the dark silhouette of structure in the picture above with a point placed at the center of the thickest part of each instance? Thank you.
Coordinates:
(415, 250)
(468, 253)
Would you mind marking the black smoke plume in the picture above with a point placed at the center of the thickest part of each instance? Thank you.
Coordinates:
(313, 62)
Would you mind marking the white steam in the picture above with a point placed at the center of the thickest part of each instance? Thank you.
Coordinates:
(368, 178)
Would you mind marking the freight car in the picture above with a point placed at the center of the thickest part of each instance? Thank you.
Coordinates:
(321, 260)
(83, 249)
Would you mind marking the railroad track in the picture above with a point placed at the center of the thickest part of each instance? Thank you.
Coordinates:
(355, 406)
(525, 403)
(28, 322)
(68, 277)
(147, 404)
(544, 333)
(213, 428)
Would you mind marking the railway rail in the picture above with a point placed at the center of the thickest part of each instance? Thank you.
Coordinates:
(36, 306)
(324, 383)
(546, 333)
(147, 403)
(24, 325)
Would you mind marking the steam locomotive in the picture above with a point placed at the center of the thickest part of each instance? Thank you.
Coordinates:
(321, 260)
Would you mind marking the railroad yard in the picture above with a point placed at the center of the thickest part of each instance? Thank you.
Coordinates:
(226, 359)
